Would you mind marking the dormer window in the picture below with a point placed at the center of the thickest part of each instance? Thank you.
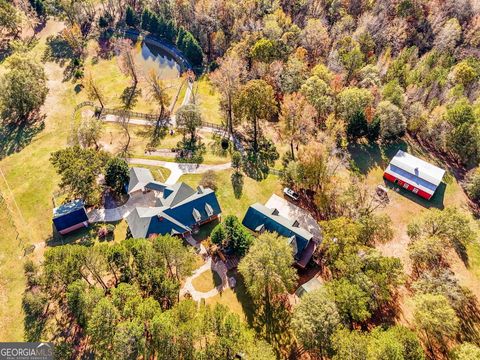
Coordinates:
(296, 223)
(208, 209)
(196, 215)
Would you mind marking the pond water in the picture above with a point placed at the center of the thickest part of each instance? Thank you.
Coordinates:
(153, 58)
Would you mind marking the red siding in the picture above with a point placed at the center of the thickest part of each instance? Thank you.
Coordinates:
(406, 186)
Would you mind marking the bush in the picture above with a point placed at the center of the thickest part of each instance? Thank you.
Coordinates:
(209, 180)
(105, 230)
(472, 184)
(117, 174)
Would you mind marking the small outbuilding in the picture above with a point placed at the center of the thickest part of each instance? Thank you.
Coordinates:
(70, 217)
(414, 174)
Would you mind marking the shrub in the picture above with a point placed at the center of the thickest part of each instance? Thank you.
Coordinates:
(209, 180)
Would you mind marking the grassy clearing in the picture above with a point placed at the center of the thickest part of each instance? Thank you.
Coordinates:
(12, 282)
(159, 173)
(208, 99)
(112, 81)
(114, 140)
(237, 300)
(253, 191)
(206, 281)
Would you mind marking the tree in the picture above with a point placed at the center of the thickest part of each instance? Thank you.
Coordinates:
(426, 252)
(435, 318)
(318, 94)
(130, 95)
(397, 342)
(232, 235)
(393, 92)
(89, 132)
(129, 340)
(265, 50)
(94, 91)
(102, 325)
(296, 119)
(187, 43)
(117, 174)
(314, 322)
(209, 180)
(352, 302)
(130, 17)
(79, 169)
(315, 38)
(10, 20)
(463, 139)
(392, 122)
(268, 273)
(451, 225)
(317, 169)
(158, 92)
(472, 184)
(227, 79)
(352, 101)
(350, 56)
(466, 351)
(188, 119)
(349, 345)
(448, 36)
(255, 102)
(23, 88)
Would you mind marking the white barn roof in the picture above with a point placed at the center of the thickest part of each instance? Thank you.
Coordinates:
(415, 171)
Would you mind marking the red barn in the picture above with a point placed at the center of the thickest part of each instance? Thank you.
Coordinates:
(414, 174)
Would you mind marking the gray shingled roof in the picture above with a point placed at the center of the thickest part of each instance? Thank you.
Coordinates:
(180, 192)
(139, 177)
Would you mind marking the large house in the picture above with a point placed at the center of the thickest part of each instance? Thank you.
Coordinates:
(260, 218)
(414, 174)
(179, 209)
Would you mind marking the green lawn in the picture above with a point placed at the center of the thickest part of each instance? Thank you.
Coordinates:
(206, 281)
(237, 300)
(114, 139)
(208, 99)
(253, 191)
(12, 282)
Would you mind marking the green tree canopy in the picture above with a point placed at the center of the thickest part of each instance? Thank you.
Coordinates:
(79, 169)
(315, 320)
(117, 174)
(23, 88)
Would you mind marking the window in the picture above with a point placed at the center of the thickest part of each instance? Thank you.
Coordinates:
(415, 190)
(196, 215)
(208, 209)
(405, 185)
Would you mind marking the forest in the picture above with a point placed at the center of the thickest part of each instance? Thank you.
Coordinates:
(312, 95)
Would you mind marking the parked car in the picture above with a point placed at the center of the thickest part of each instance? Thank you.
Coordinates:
(291, 194)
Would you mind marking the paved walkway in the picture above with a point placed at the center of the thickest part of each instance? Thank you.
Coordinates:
(179, 169)
(121, 212)
(219, 267)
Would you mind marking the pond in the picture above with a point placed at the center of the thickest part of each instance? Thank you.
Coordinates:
(150, 57)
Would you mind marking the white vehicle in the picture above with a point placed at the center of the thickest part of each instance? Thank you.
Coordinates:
(291, 194)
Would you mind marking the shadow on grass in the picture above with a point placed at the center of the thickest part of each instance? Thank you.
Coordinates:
(84, 236)
(368, 156)
(469, 314)
(435, 202)
(205, 230)
(243, 297)
(14, 137)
